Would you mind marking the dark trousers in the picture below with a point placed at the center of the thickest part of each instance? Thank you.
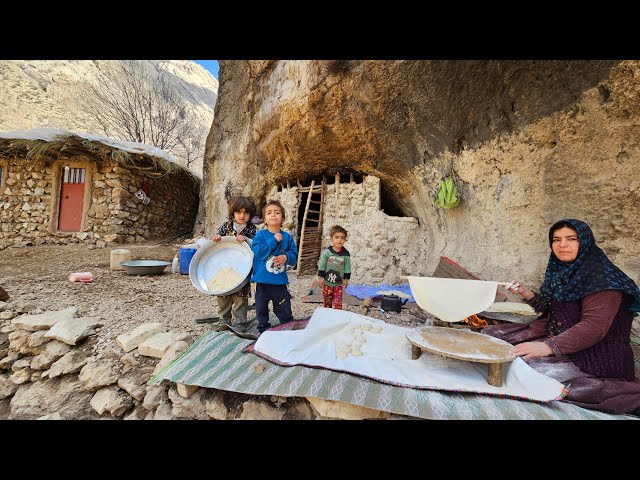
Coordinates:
(281, 298)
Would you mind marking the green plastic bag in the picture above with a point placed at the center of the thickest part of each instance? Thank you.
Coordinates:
(447, 195)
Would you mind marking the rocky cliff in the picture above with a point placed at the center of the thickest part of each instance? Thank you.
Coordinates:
(530, 142)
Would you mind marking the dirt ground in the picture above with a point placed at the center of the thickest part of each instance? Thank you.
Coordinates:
(39, 276)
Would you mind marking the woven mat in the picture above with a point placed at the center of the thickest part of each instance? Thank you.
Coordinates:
(216, 360)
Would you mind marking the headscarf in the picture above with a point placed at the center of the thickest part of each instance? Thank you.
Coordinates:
(590, 272)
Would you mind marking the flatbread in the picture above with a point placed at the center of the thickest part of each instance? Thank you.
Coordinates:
(452, 299)
(511, 307)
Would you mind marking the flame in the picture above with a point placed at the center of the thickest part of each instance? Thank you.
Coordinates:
(475, 321)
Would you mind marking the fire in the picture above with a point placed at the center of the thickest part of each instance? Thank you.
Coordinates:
(475, 321)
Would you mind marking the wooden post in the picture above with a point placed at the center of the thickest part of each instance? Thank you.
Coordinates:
(416, 352)
(288, 184)
(337, 188)
(495, 374)
(366, 303)
(299, 185)
(351, 178)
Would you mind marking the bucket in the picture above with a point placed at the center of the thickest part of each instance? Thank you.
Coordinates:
(119, 255)
(186, 254)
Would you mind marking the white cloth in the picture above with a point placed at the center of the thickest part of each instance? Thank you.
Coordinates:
(452, 299)
(387, 356)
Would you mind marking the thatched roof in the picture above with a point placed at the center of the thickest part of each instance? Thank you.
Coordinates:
(49, 144)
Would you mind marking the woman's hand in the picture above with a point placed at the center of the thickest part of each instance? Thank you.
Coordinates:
(531, 349)
(321, 281)
(216, 238)
(519, 289)
(241, 238)
(345, 282)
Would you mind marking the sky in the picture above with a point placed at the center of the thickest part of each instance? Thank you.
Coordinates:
(211, 65)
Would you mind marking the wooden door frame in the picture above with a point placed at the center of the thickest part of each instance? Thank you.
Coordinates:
(4, 163)
(56, 188)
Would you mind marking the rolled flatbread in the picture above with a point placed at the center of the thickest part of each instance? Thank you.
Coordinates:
(452, 299)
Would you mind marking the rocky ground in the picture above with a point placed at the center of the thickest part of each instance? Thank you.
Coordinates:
(38, 276)
(68, 376)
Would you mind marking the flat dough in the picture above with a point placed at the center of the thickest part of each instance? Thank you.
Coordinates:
(511, 307)
(452, 299)
(225, 279)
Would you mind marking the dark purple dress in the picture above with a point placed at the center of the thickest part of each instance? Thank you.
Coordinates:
(592, 354)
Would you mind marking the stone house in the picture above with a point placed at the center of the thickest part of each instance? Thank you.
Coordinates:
(62, 187)
(383, 243)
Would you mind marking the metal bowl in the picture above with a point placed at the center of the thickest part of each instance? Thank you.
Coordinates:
(144, 267)
(213, 256)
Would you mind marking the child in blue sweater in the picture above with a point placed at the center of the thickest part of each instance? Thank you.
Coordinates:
(273, 249)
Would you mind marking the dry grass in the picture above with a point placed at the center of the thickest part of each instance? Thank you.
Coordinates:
(73, 145)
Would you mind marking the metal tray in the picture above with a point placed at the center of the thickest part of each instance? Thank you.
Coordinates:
(144, 267)
(213, 256)
(508, 317)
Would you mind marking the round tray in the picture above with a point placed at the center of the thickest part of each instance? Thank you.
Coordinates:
(213, 256)
(144, 267)
(461, 344)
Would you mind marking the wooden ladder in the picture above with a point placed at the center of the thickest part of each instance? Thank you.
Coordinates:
(311, 229)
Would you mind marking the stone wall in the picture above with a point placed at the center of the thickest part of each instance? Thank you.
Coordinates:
(51, 368)
(383, 248)
(25, 196)
(173, 206)
(29, 199)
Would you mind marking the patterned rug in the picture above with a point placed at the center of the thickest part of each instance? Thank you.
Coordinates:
(216, 360)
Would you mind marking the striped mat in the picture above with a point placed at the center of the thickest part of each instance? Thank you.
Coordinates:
(216, 360)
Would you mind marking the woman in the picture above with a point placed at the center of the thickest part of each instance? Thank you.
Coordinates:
(582, 337)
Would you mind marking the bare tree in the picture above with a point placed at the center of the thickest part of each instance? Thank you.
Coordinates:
(192, 147)
(131, 104)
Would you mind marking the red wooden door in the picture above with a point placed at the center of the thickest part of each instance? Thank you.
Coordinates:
(71, 200)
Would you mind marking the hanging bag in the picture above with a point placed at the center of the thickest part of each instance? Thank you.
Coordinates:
(448, 194)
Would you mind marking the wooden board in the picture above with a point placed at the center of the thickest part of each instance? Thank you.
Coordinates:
(463, 345)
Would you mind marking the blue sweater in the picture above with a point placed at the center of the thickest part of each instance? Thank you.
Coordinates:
(265, 247)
